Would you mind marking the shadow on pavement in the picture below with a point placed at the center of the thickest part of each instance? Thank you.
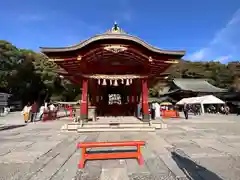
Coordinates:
(192, 170)
(8, 127)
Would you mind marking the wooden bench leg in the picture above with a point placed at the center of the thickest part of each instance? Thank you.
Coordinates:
(140, 157)
(140, 160)
(82, 160)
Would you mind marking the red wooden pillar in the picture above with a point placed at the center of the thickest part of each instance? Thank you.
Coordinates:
(84, 101)
(135, 98)
(145, 100)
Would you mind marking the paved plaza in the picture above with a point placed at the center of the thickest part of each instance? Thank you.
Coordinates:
(201, 148)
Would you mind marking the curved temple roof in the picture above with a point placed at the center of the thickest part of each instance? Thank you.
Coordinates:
(197, 85)
(116, 33)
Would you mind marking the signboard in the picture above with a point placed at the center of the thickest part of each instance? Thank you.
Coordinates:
(114, 99)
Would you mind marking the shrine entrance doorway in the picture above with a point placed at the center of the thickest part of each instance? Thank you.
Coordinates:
(116, 100)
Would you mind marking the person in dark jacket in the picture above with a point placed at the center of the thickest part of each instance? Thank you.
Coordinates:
(185, 110)
(238, 109)
(34, 111)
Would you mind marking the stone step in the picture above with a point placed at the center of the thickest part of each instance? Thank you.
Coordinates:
(147, 129)
(115, 122)
(115, 125)
(75, 126)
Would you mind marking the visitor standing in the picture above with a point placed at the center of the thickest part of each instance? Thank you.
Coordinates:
(238, 109)
(52, 111)
(222, 110)
(34, 111)
(185, 110)
(227, 110)
(51, 107)
(26, 112)
(138, 110)
(153, 107)
(194, 108)
(157, 110)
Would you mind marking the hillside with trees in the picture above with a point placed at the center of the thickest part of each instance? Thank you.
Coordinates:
(30, 76)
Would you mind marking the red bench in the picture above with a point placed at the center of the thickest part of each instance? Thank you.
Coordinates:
(112, 155)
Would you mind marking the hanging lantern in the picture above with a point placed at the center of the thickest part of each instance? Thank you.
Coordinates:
(127, 83)
(115, 83)
(99, 81)
(104, 82)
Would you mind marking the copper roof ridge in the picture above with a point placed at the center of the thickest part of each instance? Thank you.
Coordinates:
(126, 37)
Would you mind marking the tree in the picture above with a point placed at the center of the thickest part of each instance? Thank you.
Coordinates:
(220, 75)
(153, 92)
(30, 76)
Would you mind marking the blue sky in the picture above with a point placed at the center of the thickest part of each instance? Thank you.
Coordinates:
(206, 29)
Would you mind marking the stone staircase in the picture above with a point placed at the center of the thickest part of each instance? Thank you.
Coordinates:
(115, 126)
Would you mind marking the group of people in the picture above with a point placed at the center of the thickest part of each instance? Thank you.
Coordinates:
(225, 110)
(214, 110)
(194, 108)
(33, 112)
(4, 111)
(29, 112)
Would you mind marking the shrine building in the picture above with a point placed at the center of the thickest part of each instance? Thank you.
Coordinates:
(114, 69)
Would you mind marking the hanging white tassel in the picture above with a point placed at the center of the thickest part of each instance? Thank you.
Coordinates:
(110, 82)
(115, 83)
(104, 82)
(130, 81)
(122, 81)
(99, 81)
(127, 83)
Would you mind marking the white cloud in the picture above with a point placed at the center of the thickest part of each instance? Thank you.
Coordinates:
(236, 17)
(199, 55)
(223, 59)
(224, 45)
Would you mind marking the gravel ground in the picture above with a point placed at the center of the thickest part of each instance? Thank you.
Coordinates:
(203, 147)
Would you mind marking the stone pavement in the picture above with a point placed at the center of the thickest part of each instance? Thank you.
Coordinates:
(203, 147)
(13, 118)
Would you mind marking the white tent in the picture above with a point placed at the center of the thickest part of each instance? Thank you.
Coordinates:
(209, 99)
(192, 100)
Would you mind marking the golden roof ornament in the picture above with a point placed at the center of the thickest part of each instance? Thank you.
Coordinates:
(115, 30)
